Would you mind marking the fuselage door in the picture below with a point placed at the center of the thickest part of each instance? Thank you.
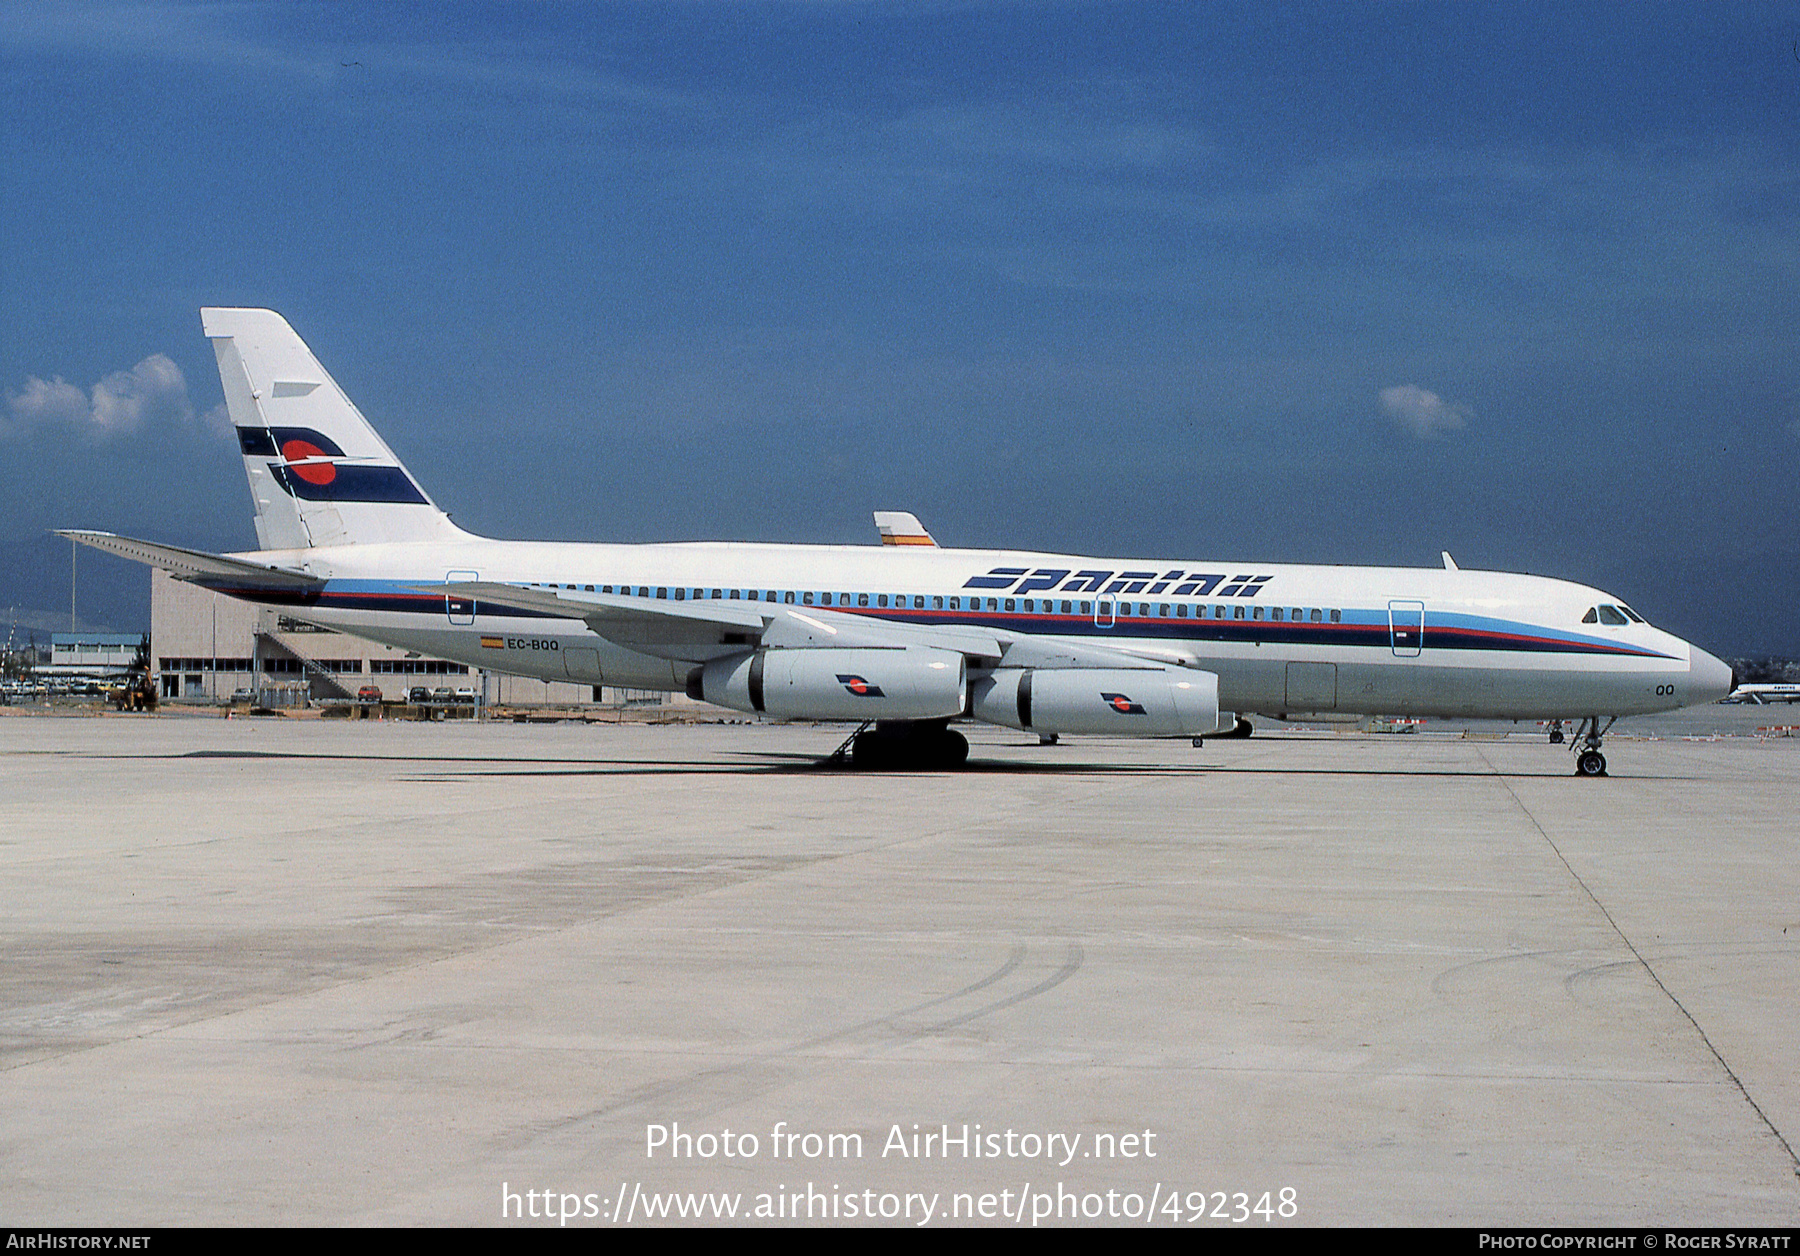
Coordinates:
(1103, 613)
(461, 610)
(1406, 624)
(1312, 686)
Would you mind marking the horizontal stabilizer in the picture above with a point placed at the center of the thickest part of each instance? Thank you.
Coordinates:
(187, 564)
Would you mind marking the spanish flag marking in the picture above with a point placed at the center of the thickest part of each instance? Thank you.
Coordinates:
(493, 643)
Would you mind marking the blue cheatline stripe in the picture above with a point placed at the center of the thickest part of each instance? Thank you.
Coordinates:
(351, 483)
(1367, 629)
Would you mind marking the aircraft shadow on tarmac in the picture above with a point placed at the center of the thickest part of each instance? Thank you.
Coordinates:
(778, 763)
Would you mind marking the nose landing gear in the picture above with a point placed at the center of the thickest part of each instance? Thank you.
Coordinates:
(1588, 759)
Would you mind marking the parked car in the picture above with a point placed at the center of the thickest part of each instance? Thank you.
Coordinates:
(418, 694)
(243, 697)
(465, 695)
(369, 693)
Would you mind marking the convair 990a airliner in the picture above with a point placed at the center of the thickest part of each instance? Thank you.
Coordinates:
(908, 636)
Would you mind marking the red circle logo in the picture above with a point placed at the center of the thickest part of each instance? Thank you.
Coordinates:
(296, 451)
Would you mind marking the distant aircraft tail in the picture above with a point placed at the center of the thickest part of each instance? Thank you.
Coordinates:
(318, 472)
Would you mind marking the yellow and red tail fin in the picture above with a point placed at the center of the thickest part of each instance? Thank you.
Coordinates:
(897, 527)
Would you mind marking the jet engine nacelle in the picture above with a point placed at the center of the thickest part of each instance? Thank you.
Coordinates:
(1151, 702)
(871, 684)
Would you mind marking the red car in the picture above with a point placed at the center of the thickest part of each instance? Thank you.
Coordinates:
(369, 693)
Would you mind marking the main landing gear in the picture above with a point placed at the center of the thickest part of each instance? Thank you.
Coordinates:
(905, 745)
(1588, 759)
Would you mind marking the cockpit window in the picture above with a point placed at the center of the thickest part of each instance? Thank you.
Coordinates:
(1611, 615)
(1592, 617)
(1635, 617)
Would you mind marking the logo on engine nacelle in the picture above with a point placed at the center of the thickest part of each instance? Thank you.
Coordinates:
(1123, 705)
(860, 687)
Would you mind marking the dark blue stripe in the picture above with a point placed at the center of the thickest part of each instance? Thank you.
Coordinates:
(353, 484)
(372, 595)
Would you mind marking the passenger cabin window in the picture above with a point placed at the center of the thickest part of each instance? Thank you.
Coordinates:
(1337, 617)
(1275, 613)
(937, 603)
(1315, 616)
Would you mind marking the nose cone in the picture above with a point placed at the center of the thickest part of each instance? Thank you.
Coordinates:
(1709, 679)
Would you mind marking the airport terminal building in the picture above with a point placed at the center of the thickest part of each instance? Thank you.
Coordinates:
(206, 647)
(91, 655)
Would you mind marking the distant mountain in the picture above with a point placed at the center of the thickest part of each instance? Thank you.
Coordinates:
(110, 595)
(19, 621)
(1766, 671)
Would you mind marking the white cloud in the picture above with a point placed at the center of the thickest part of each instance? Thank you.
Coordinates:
(150, 393)
(1423, 413)
(50, 401)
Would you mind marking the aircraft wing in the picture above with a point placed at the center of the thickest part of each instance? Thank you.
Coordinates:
(706, 629)
(703, 630)
(196, 565)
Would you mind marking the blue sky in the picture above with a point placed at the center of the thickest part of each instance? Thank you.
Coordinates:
(1330, 283)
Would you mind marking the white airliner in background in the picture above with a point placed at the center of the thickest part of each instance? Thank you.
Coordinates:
(1763, 695)
(907, 636)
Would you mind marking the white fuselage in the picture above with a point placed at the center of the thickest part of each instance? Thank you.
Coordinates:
(1282, 639)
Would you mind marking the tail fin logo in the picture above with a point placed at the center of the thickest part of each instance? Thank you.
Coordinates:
(1123, 705)
(860, 687)
(311, 466)
(300, 455)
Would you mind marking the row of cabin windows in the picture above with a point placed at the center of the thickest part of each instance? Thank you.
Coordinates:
(1029, 606)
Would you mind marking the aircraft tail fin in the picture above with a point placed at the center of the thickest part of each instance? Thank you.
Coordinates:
(319, 474)
(898, 527)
